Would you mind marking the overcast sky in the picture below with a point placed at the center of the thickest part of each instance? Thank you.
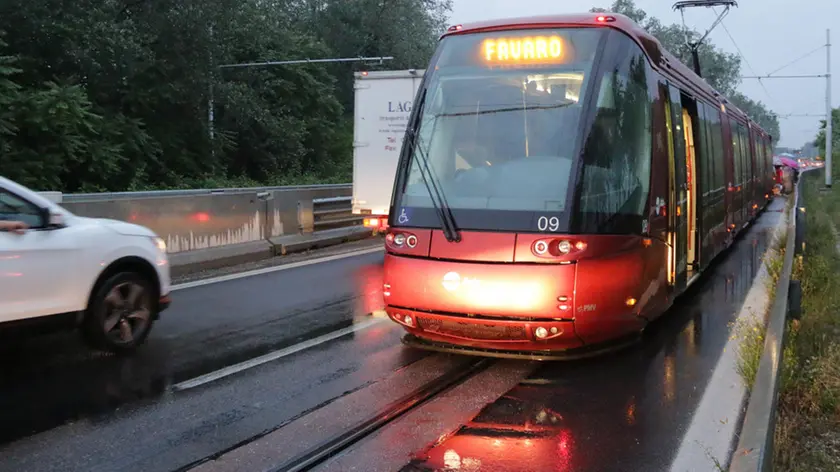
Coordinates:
(769, 34)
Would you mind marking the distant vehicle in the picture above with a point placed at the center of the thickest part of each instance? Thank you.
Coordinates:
(108, 277)
(564, 179)
(382, 106)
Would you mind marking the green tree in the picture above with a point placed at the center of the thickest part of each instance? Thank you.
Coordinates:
(407, 30)
(116, 95)
(50, 135)
(835, 133)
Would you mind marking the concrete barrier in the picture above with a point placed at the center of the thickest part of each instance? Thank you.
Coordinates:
(216, 227)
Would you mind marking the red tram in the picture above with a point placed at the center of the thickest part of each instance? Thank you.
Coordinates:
(562, 180)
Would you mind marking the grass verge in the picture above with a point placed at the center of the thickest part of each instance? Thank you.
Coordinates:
(807, 436)
(751, 330)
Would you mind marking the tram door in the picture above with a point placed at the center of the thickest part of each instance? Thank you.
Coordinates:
(679, 190)
(691, 189)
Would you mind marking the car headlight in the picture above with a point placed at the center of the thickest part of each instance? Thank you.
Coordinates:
(160, 244)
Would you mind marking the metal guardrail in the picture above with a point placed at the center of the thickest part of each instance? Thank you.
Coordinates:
(108, 196)
(754, 452)
(196, 219)
(334, 212)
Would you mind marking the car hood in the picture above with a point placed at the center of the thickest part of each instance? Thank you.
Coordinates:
(119, 227)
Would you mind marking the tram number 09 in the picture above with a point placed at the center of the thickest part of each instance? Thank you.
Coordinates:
(545, 223)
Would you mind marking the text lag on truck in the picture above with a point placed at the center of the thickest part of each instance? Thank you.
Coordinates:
(562, 180)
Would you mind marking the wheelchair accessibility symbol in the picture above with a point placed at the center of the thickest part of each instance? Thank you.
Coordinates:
(403, 218)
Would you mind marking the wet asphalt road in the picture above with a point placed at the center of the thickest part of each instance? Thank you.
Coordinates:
(52, 380)
(627, 411)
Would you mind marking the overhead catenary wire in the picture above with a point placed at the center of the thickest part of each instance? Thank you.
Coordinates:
(797, 60)
(744, 58)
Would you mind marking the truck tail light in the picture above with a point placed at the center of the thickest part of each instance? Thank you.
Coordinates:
(378, 223)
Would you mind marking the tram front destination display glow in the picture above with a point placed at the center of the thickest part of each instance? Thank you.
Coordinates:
(524, 49)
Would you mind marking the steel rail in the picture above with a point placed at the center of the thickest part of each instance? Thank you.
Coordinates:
(324, 450)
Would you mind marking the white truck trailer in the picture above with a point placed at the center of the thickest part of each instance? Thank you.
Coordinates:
(383, 101)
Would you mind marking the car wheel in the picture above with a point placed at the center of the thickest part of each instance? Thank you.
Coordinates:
(121, 313)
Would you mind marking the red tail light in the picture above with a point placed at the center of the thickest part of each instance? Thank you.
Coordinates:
(201, 217)
(378, 223)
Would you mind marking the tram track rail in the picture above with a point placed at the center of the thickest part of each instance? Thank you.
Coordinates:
(321, 450)
(328, 448)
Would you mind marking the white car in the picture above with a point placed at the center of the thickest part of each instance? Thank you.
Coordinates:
(111, 276)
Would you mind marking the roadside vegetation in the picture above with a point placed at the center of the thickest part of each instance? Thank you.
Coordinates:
(751, 330)
(808, 422)
(109, 95)
(807, 436)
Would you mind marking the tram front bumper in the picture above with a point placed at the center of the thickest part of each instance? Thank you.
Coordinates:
(488, 333)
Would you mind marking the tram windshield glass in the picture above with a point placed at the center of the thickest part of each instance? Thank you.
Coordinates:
(500, 127)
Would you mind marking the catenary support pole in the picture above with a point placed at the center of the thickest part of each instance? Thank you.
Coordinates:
(828, 118)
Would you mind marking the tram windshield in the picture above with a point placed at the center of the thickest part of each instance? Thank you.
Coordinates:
(500, 128)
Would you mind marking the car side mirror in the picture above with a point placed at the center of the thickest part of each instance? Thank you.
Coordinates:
(50, 219)
(55, 220)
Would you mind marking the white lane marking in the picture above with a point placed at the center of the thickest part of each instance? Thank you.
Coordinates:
(271, 356)
(267, 270)
(709, 436)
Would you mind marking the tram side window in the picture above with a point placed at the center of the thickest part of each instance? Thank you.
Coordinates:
(736, 149)
(746, 154)
(713, 154)
(617, 151)
(705, 149)
(767, 150)
(717, 145)
(768, 159)
(768, 146)
(738, 142)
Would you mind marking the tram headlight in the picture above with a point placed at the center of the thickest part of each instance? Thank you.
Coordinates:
(564, 247)
(399, 240)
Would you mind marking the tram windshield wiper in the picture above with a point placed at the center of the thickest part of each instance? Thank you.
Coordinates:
(433, 185)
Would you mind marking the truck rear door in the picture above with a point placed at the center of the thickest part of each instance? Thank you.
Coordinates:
(383, 101)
